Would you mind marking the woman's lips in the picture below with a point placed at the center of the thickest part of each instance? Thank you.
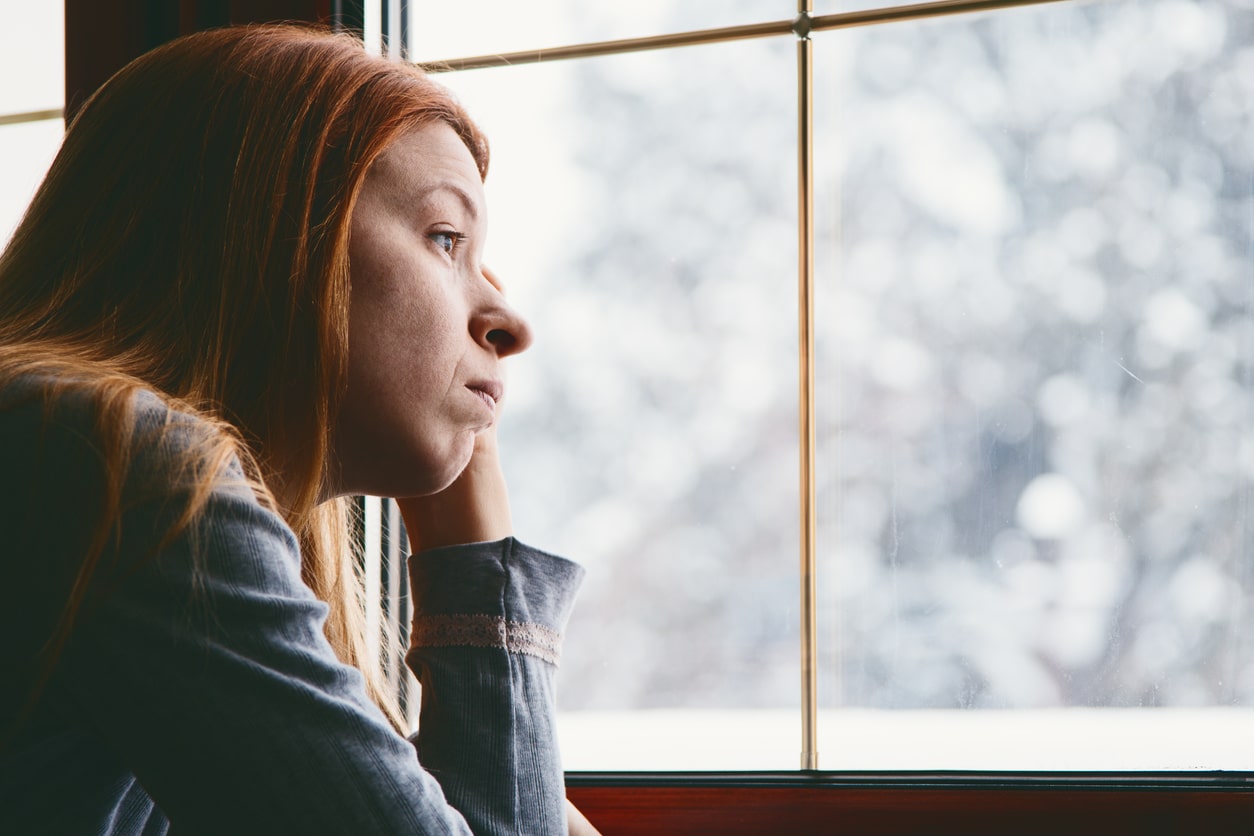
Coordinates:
(489, 391)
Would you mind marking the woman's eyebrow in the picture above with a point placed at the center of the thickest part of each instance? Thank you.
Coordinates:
(429, 192)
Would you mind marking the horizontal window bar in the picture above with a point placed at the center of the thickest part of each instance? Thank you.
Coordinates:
(31, 116)
(842, 20)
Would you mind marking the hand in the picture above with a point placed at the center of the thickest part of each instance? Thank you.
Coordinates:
(577, 824)
(474, 509)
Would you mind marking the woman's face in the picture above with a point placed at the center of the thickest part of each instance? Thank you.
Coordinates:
(428, 326)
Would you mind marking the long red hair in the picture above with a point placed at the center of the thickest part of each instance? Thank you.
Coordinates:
(191, 238)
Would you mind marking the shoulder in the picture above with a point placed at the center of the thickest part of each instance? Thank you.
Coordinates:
(50, 436)
(81, 452)
(79, 422)
(151, 506)
(35, 404)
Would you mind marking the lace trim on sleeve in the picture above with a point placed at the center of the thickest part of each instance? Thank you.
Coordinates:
(487, 631)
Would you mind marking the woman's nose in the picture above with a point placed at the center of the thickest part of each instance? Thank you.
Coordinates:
(511, 334)
(498, 326)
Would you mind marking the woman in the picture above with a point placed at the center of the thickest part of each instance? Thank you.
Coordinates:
(249, 287)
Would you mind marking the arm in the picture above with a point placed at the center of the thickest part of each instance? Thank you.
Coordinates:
(213, 683)
(475, 509)
(485, 645)
(204, 670)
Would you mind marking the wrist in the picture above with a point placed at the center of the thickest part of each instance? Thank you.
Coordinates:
(435, 522)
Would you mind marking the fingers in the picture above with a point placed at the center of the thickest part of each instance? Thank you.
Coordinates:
(474, 509)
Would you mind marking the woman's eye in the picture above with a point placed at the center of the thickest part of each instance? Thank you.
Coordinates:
(447, 241)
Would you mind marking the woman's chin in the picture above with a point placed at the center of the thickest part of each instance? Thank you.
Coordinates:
(421, 473)
(436, 473)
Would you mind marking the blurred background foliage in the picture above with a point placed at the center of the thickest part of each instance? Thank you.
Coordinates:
(1034, 355)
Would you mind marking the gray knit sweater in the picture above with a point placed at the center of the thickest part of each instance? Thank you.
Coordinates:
(200, 695)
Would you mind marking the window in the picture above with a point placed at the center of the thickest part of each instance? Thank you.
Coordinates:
(660, 396)
(1033, 461)
(30, 113)
(1032, 356)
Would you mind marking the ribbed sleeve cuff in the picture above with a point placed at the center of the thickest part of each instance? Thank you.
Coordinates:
(501, 594)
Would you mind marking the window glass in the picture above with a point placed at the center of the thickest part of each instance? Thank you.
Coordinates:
(508, 25)
(26, 150)
(1036, 346)
(644, 218)
(32, 48)
(32, 55)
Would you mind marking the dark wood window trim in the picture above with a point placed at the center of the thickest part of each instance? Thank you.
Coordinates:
(101, 38)
(800, 803)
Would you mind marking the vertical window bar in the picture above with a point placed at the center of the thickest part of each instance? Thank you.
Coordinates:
(411, 693)
(385, 27)
(394, 32)
(407, 31)
(349, 16)
(387, 612)
(372, 556)
(392, 29)
(394, 593)
(805, 404)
